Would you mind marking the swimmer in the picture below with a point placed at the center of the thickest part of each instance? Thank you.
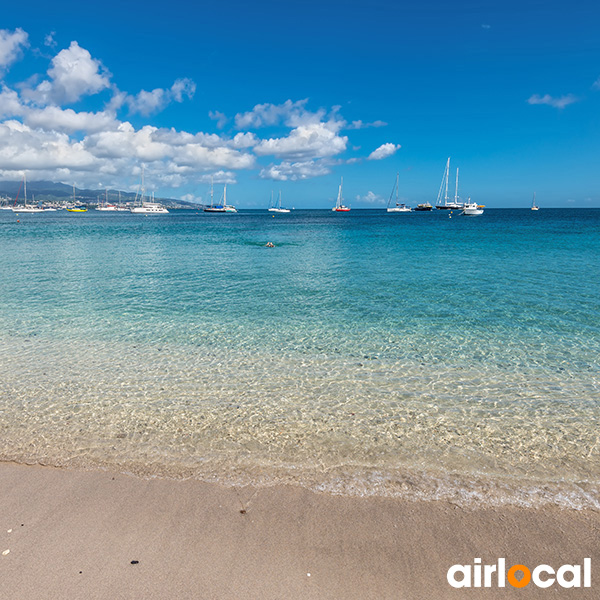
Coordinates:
(270, 245)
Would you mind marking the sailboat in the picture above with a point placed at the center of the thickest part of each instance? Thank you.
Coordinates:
(447, 204)
(120, 206)
(219, 208)
(398, 208)
(76, 207)
(106, 206)
(277, 207)
(148, 208)
(534, 206)
(4, 204)
(25, 208)
(339, 204)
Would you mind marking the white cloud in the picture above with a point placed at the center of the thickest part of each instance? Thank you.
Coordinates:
(147, 103)
(371, 198)
(287, 171)
(304, 142)
(53, 118)
(49, 40)
(24, 148)
(10, 103)
(596, 84)
(551, 101)
(384, 151)
(264, 115)
(486, 26)
(361, 125)
(219, 117)
(11, 44)
(73, 74)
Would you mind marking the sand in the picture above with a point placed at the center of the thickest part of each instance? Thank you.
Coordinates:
(73, 535)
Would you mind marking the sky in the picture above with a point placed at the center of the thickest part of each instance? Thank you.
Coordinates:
(293, 95)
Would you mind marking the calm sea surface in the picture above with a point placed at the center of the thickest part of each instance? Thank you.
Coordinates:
(411, 355)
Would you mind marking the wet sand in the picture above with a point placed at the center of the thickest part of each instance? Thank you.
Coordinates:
(74, 535)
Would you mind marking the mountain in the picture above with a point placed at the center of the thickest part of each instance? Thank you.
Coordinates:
(50, 191)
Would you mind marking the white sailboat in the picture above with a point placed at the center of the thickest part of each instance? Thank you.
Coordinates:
(25, 208)
(339, 204)
(120, 206)
(447, 203)
(277, 208)
(147, 208)
(107, 206)
(534, 206)
(222, 207)
(398, 208)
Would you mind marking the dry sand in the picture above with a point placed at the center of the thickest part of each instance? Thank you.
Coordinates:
(75, 534)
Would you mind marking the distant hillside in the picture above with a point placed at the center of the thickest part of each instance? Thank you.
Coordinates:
(49, 191)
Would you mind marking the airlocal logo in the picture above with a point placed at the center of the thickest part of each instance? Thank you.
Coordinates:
(543, 576)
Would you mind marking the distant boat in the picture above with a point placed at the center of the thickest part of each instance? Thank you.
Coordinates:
(447, 203)
(277, 208)
(222, 207)
(398, 208)
(339, 204)
(147, 208)
(76, 207)
(107, 206)
(472, 209)
(423, 207)
(25, 208)
(534, 206)
(4, 204)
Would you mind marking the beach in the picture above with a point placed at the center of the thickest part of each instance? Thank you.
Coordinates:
(75, 534)
(244, 422)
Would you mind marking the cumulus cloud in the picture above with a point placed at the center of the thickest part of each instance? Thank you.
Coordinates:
(50, 140)
(22, 147)
(147, 103)
(560, 102)
(384, 151)
(73, 74)
(288, 171)
(596, 84)
(10, 103)
(304, 142)
(11, 45)
(53, 118)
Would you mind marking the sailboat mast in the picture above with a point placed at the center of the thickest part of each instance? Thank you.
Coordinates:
(25, 184)
(397, 191)
(279, 202)
(225, 195)
(447, 172)
(456, 189)
(211, 190)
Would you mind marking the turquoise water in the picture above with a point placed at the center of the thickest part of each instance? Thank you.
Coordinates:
(411, 355)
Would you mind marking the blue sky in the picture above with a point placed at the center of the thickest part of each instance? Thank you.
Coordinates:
(294, 95)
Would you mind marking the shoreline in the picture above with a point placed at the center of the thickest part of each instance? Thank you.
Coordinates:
(74, 534)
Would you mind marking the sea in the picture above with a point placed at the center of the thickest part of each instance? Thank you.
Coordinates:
(424, 356)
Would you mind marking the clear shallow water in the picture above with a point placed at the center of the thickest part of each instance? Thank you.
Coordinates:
(411, 355)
